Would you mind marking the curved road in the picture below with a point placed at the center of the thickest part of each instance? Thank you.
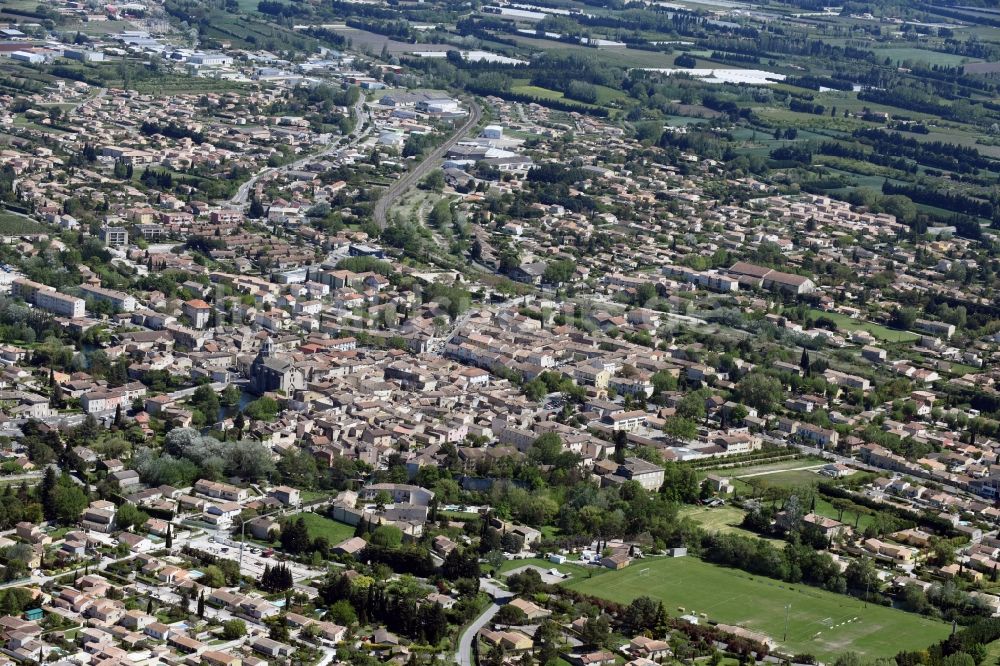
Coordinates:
(500, 596)
(395, 190)
(243, 193)
(464, 655)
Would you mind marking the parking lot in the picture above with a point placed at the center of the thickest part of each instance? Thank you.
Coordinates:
(253, 563)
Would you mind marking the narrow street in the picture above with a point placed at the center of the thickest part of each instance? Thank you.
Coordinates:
(464, 655)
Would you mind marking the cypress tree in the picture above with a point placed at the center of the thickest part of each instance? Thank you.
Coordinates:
(46, 492)
(362, 527)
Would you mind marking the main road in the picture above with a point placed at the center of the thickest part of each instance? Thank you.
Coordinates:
(395, 190)
(357, 134)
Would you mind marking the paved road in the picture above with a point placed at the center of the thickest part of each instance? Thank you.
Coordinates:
(500, 596)
(413, 176)
(464, 655)
(357, 134)
(810, 468)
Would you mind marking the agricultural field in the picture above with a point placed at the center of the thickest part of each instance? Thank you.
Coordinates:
(605, 95)
(617, 57)
(900, 55)
(820, 623)
(12, 225)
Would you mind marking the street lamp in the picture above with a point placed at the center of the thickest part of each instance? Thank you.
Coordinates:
(784, 636)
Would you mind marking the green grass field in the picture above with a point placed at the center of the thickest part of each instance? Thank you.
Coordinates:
(992, 652)
(824, 508)
(787, 479)
(782, 474)
(881, 332)
(723, 519)
(319, 526)
(821, 623)
(509, 565)
(778, 466)
(962, 369)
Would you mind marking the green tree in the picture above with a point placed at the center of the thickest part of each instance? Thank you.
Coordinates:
(278, 628)
(387, 536)
(861, 576)
(663, 382)
(343, 613)
(256, 210)
(433, 622)
(692, 406)
(233, 629)
(760, 391)
(68, 501)
(440, 216)
(230, 396)
(295, 536)
(511, 615)
(212, 576)
(46, 490)
(596, 632)
(262, 409)
(559, 271)
(680, 428)
(206, 401)
(276, 579)
(128, 516)
(546, 449)
(643, 614)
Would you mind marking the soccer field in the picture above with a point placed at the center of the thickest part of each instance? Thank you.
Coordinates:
(821, 623)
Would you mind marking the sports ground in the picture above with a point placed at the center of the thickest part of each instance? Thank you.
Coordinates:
(824, 624)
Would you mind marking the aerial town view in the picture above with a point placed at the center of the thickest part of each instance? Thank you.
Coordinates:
(502, 332)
